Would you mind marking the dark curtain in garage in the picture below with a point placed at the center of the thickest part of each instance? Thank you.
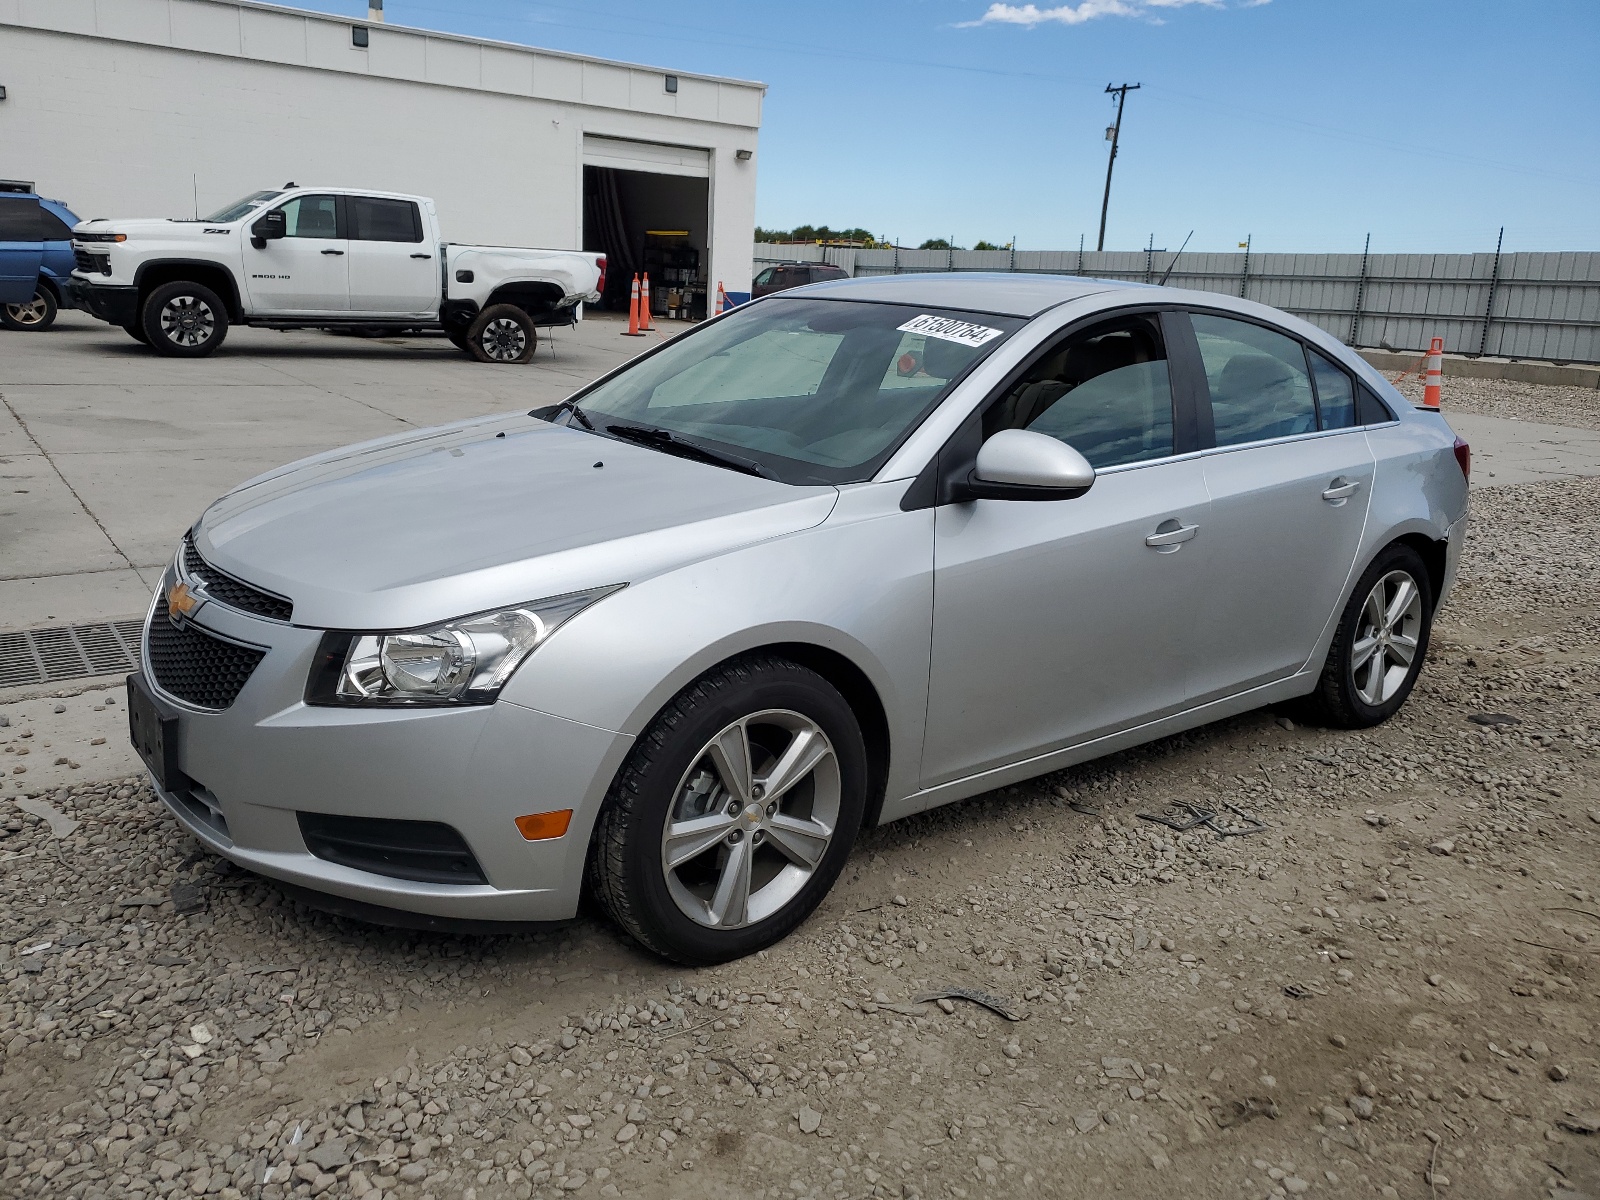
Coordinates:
(605, 231)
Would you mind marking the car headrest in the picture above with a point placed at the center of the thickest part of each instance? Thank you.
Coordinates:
(1253, 374)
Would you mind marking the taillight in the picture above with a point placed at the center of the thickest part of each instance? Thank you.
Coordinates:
(1464, 458)
(601, 263)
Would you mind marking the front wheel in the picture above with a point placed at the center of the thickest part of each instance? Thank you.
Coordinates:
(34, 316)
(186, 320)
(734, 813)
(502, 333)
(1382, 639)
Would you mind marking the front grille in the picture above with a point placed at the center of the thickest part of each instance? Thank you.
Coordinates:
(422, 851)
(92, 264)
(195, 666)
(235, 593)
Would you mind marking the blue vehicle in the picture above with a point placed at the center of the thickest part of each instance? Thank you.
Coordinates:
(35, 256)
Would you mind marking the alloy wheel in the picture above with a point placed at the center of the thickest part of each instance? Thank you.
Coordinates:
(503, 340)
(187, 321)
(31, 313)
(1387, 636)
(751, 819)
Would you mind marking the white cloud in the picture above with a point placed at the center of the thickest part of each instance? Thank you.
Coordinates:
(1031, 15)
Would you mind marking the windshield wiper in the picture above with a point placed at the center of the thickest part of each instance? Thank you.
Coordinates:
(671, 443)
(550, 412)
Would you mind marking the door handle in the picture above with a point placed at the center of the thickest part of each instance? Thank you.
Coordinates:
(422, 256)
(333, 251)
(1341, 489)
(1168, 540)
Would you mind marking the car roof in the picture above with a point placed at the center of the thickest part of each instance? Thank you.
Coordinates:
(1004, 293)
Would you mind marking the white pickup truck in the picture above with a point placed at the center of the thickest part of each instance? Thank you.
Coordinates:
(323, 258)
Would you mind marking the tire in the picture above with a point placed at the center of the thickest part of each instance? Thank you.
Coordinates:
(137, 333)
(502, 333)
(1353, 693)
(35, 316)
(184, 320)
(792, 846)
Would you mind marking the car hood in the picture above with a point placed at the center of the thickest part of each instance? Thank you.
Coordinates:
(162, 226)
(416, 529)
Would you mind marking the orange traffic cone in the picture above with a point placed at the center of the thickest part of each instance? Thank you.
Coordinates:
(633, 310)
(1433, 378)
(722, 299)
(644, 304)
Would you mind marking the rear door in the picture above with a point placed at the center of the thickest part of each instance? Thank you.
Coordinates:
(393, 272)
(303, 273)
(21, 248)
(1289, 491)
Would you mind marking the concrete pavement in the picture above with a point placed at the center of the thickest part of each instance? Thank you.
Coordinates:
(108, 452)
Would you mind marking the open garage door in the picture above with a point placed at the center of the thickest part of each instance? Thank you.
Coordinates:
(647, 207)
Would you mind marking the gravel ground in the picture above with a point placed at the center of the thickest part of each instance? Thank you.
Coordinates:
(1388, 992)
(1576, 407)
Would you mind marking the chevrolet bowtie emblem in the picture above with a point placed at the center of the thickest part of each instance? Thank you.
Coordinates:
(181, 601)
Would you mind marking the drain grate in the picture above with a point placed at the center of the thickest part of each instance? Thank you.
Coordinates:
(68, 652)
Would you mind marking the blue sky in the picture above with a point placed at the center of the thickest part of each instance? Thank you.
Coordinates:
(1305, 123)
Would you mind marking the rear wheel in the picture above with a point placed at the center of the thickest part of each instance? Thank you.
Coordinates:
(734, 813)
(187, 320)
(502, 333)
(34, 316)
(1381, 642)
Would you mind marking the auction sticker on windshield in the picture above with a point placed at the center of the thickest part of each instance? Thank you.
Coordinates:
(948, 329)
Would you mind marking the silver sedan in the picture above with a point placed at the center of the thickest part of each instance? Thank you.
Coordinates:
(841, 555)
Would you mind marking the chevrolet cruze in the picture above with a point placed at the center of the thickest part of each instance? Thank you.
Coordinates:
(838, 556)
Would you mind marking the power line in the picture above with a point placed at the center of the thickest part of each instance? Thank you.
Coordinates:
(1116, 134)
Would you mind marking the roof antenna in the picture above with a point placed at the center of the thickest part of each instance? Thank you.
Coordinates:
(1174, 261)
(291, 184)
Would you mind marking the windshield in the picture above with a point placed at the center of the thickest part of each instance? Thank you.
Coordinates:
(240, 207)
(813, 391)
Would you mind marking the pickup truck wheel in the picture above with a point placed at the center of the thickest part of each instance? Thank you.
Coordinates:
(186, 320)
(503, 333)
(36, 315)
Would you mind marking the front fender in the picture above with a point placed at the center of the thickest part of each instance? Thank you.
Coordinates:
(859, 585)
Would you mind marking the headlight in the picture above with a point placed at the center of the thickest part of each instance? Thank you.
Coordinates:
(466, 661)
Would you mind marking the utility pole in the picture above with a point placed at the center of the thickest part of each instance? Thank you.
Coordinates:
(1115, 134)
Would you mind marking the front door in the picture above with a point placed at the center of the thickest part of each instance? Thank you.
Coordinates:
(21, 248)
(393, 272)
(1289, 492)
(305, 272)
(1056, 622)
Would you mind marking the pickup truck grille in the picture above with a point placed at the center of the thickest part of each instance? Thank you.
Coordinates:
(91, 264)
(235, 593)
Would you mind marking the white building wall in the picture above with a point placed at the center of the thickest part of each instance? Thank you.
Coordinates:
(134, 108)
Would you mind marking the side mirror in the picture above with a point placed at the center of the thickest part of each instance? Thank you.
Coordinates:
(270, 227)
(1017, 465)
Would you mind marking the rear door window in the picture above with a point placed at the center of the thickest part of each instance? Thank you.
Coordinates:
(1260, 387)
(19, 219)
(373, 219)
(1336, 397)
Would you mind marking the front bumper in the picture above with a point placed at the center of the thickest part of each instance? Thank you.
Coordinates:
(267, 757)
(116, 303)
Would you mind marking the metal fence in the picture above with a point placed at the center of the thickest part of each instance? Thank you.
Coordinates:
(1531, 305)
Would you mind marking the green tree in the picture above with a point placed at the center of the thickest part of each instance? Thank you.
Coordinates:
(989, 246)
(937, 244)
